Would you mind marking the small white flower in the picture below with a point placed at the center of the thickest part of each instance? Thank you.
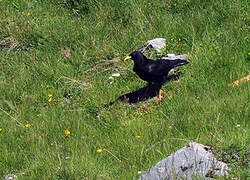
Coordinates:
(238, 125)
(139, 172)
(115, 74)
(111, 77)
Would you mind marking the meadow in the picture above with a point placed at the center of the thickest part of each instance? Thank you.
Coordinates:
(56, 60)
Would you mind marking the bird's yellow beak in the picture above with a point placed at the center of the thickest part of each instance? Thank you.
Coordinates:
(127, 58)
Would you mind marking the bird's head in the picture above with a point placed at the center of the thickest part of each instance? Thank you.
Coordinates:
(137, 57)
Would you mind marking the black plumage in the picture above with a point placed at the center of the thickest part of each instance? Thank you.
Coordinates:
(153, 71)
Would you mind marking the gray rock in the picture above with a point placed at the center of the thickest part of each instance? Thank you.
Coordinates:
(173, 56)
(190, 162)
(10, 176)
(157, 43)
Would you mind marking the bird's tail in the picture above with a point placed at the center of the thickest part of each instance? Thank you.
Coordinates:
(179, 62)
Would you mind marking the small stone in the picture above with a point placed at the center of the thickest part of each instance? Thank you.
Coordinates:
(10, 176)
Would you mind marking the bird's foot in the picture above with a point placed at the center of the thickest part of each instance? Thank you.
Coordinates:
(158, 98)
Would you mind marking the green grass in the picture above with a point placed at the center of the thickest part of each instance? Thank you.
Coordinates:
(200, 106)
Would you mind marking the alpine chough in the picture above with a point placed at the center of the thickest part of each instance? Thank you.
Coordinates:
(153, 71)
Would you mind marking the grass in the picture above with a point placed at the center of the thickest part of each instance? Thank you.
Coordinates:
(35, 37)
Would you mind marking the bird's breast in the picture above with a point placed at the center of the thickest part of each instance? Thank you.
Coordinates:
(147, 76)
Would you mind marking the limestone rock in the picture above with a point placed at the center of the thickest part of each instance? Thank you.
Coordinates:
(190, 162)
(173, 56)
(158, 44)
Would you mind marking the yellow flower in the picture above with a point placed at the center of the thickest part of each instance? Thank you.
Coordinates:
(67, 132)
(47, 86)
(99, 150)
(175, 4)
(17, 27)
(28, 14)
(27, 125)
(249, 53)
(138, 137)
(50, 97)
(1, 129)
(38, 115)
(140, 114)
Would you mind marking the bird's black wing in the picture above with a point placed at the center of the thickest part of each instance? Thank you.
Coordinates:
(161, 67)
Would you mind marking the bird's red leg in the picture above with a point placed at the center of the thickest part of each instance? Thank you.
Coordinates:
(159, 98)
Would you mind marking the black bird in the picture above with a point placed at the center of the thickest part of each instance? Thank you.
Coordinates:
(153, 71)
